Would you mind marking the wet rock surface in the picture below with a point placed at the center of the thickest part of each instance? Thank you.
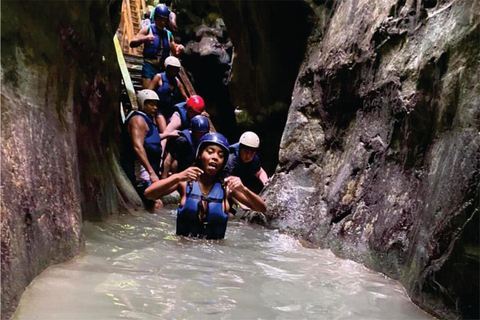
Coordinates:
(380, 156)
(59, 134)
(208, 57)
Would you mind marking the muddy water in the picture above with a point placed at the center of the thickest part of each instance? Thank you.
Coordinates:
(136, 268)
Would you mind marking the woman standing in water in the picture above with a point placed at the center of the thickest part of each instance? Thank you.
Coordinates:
(203, 207)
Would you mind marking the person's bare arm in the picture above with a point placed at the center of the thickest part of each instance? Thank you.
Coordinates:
(156, 82)
(244, 195)
(170, 184)
(169, 134)
(142, 36)
(175, 123)
(167, 164)
(137, 127)
(161, 122)
(176, 49)
(262, 176)
(182, 90)
(172, 21)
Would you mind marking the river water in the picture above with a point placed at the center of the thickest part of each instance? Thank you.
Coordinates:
(137, 268)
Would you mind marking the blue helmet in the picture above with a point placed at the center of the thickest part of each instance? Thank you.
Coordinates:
(161, 11)
(200, 124)
(214, 138)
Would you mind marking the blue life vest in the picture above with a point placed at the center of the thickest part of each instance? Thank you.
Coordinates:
(188, 135)
(164, 92)
(152, 144)
(234, 148)
(180, 108)
(160, 46)
(214, 224)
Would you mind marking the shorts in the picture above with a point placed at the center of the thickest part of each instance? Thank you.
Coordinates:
(149, 70)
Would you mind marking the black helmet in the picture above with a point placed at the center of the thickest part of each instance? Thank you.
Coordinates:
(162, 11)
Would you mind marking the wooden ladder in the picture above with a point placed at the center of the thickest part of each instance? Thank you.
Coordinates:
(130, 23)
(131, 60)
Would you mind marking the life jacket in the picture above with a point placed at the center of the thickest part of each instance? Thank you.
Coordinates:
(152, 144)
(188, 135)
(160, 46)
(180, 108)
(245, 171)
(164, 93)
(214, 224)
(234, 148)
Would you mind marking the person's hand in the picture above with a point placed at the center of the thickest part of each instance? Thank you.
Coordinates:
(180, 48)
(266, 182)
(205, 114)
(174, 133)
(149, 38)
(234, 184)
(190, 174)
(154, 178)
(170, 134)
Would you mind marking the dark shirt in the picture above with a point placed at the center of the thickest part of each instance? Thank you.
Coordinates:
(182, 152)
(245, 171)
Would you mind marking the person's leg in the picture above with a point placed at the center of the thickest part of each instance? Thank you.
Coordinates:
(146, 83)
(161, 122)
(140, 187)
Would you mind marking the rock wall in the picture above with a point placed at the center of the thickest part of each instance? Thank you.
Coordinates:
(59, 133)
(380, 156)
(270, 39)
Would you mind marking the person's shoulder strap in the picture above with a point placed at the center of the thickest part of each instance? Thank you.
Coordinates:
(181, 105)
(134, 113)
(164, 77)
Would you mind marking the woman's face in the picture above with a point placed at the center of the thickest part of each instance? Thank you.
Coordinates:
(212, 159)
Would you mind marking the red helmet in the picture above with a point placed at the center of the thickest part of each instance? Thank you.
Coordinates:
(196, 103)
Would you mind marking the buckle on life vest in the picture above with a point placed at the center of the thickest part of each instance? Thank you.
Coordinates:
(202, 211)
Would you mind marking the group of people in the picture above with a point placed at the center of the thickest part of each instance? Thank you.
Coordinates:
(171, 144)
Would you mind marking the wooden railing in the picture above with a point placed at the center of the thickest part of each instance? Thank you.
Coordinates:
(130, 23)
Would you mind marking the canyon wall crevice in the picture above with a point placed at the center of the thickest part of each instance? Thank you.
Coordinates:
(380, 157)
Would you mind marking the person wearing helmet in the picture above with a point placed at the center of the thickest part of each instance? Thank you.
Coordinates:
(181, 153)
(185, 111)
(244, 162)
(172, 17)
(158, 44)
(169, 89)
(142, 151)
(204, 204)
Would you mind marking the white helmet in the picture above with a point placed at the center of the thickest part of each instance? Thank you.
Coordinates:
(145, 94)
(250, 139)
(172, 61)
